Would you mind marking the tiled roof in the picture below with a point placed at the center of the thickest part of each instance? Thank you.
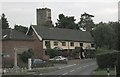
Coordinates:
(11, 34)
(62, 34)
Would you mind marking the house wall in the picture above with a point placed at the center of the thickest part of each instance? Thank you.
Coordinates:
(9, 45)
(8, 49)
(86, 45)
(38, 47)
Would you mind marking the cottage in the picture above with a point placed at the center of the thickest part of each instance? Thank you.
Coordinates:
(57, 38)
(40, 38)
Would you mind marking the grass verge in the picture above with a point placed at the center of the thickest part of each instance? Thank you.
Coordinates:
(103, 71)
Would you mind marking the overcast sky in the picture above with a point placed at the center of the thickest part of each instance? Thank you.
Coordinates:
(24, 12)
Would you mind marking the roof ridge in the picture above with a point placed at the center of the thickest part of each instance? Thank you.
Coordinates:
(58, 28)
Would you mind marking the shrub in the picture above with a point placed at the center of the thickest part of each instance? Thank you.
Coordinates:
(118, 65)
(52, 53)
(58, 62)
(90, 53)
(25, 55)
(107, 59)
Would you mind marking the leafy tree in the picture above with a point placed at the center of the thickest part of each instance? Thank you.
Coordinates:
(26, 54)
(116, 27)
(5, 24)
(100, 23)
(118, 34)
(104, 36)
(118, 45)
(21, 28)
(86, 22)
(66, 22)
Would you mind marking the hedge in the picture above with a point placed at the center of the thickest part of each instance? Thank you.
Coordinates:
(118, 65)
(52, 53)
(90, 53)
(107, 59)
(58, 62)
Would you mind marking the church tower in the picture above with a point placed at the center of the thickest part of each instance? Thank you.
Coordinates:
(43, 16)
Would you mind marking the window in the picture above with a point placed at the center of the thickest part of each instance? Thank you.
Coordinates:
(47, 43)
(63, 43)
(55, 43)
(72, 44)
(81, 44)
(92, 45)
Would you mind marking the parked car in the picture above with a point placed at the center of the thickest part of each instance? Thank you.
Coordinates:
(59, 58)
(37, 61)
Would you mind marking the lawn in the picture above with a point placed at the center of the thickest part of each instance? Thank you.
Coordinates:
(103, 72)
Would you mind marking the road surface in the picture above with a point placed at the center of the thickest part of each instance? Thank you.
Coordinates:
(79, 67)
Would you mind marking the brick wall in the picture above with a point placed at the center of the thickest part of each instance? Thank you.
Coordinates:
(38, 47)
(8, 48)
(36, 44)
(9, 45)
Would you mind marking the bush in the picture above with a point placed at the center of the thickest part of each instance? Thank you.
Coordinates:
(58, 62)
(25, 55)
(89, 53)
(107, 59)
(118, 65)
(52, 53)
